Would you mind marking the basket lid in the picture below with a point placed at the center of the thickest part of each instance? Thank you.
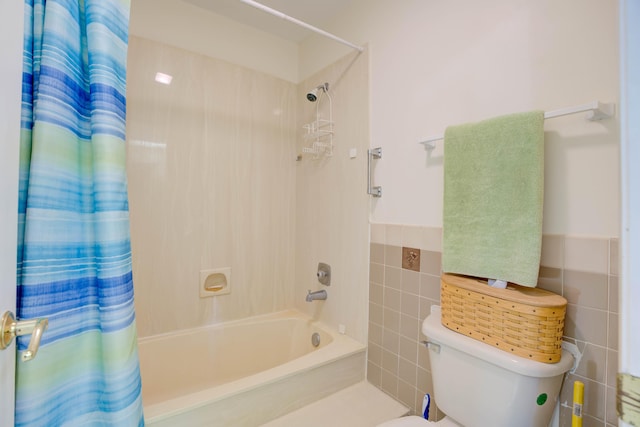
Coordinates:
(515, 293)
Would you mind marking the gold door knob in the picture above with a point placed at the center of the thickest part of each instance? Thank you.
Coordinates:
(12, 328)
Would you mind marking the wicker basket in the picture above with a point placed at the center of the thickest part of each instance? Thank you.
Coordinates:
(525, 321)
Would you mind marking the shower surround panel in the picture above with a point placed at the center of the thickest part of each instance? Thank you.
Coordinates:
(211, 167)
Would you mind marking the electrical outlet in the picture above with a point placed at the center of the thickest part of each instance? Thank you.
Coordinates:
(411, 259)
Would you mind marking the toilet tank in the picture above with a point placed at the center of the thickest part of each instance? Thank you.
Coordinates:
(478, 385)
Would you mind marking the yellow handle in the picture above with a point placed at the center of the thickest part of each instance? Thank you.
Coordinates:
(578, 401)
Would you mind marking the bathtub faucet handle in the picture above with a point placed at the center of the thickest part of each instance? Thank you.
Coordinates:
(324, 273)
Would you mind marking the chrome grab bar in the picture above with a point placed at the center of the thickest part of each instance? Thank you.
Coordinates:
(373, 153)
(12, 328)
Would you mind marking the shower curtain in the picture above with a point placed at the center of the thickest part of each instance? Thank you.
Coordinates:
(74, 258)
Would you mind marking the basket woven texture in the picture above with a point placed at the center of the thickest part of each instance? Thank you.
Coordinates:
(528, 322)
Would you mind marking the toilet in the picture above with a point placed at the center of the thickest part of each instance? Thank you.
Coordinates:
(478, 385)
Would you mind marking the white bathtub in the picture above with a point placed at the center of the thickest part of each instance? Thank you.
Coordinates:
(244, 373)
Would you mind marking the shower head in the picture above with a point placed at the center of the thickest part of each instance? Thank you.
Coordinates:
(312, 95)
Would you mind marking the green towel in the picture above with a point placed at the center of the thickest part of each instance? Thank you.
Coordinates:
(493, 194)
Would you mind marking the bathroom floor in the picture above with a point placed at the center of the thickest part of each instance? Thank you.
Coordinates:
(361, 405)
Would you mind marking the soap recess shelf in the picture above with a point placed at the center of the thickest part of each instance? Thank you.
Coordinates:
(215, 282)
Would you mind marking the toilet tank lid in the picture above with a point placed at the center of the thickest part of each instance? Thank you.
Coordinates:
(433, 329)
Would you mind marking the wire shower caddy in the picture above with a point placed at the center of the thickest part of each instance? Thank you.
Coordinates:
(319, 133)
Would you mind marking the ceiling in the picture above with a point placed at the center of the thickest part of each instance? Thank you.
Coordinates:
(314, 12)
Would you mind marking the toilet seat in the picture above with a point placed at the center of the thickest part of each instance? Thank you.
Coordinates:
(414, 421)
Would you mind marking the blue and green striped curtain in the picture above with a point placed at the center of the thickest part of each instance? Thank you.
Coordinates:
(74, 257)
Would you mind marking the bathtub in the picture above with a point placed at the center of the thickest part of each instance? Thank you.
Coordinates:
(244, 373)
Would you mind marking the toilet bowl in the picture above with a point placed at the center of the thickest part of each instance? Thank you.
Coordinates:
(478, 385)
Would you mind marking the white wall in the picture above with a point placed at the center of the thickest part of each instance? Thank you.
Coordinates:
(439, 63)
(630, 233)
(192, 28)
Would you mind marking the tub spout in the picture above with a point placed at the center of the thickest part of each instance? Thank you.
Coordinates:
(317, 295)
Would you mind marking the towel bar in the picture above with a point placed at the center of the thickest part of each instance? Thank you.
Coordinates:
(597, 111)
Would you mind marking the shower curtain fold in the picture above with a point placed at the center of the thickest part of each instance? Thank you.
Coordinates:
(74, 256)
